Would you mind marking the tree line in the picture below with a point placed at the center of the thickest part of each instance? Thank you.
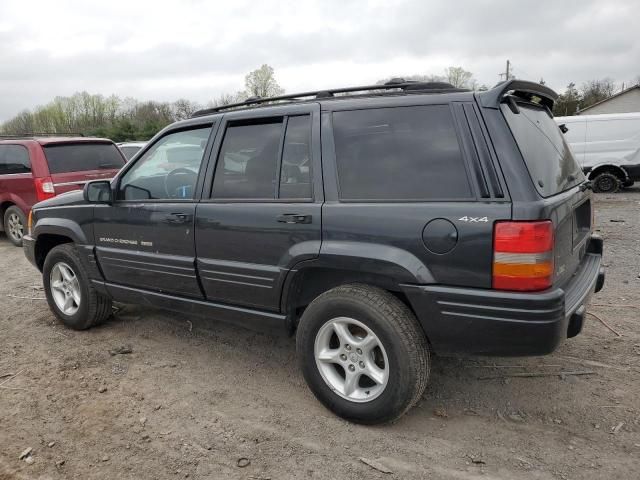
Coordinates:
(124, 119)
(574, 98)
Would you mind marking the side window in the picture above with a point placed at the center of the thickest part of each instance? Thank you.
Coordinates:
(14, 159)
(255, 162)
(168, 170)
(248, 161)
(400, 153)
(295, 174)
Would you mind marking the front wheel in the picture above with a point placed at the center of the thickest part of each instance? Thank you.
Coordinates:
(69, 292)
(363, 353)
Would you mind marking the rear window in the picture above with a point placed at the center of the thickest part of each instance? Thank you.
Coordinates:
(14, 159)
(78, 157)
(400, 153)
(544, 149)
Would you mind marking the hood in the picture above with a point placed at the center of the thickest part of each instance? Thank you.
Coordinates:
(70, 198)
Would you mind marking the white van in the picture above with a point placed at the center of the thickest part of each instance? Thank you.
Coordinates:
(607, 147)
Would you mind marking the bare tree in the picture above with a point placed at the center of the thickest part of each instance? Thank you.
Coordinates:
(459, 77)
(262, 83)
(595, 91)
(183, 108)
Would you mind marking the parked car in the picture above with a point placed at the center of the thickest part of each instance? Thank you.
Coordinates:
(35, 169)
(129, 149)
(607, 147)
(377, 227)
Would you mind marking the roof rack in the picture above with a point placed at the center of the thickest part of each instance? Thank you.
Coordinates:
(410, 86)
(42, 134)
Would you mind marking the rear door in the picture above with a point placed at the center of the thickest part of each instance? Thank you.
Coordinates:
(555, 175)
(71, 165)
(263, 214)
(16, 180)
(145, 239)
(411, 181)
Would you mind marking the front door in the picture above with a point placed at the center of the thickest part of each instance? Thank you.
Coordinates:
(264, 211)
(146, 238)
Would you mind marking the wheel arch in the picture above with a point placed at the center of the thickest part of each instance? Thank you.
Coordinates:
(47, 242)
(313, 277)
(617, 170)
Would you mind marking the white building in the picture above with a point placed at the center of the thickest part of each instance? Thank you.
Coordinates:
(626, 101)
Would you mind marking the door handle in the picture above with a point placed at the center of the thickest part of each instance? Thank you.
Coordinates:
(178, 218)
(293, 218)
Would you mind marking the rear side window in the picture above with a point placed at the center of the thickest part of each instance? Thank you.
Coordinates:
(266, 160)
(14, 159)
(78, 157)
(544, 149)
(401, 153)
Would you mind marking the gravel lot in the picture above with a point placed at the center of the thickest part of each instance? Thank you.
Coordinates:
(200, 399)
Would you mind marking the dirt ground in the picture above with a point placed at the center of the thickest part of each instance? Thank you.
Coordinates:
(199, 399)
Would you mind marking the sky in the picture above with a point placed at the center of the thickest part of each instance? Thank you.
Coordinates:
(199, 49)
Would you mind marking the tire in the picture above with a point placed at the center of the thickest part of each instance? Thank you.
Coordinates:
(403, 353)
(88, 308)
(15, 224)
(606, 182)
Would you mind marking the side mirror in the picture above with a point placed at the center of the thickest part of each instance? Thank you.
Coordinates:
(98, 191)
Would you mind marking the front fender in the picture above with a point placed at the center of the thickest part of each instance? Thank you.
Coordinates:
(60, 226)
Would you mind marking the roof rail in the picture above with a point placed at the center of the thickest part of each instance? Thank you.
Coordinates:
(519, 88)
(393, 84)
(42, 134)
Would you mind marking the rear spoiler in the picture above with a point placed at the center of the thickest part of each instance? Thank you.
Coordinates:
(517, 88)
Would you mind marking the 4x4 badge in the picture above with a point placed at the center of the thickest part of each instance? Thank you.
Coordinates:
(473, 219)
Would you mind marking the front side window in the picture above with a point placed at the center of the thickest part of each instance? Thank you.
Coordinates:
(400, 153)
(14, 159)
(169, 169)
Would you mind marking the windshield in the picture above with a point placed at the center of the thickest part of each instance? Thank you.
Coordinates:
(544, 149)
(78, 157)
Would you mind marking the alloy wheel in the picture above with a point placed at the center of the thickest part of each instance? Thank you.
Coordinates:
(65, 288)
(15, 227)
(351, 359)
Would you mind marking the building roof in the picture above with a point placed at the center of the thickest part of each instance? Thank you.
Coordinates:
(622, 92)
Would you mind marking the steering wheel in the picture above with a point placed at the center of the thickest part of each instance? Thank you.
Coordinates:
(179, 178)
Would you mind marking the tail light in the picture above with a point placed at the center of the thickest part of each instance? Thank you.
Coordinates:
(523, 255)
(44, 188)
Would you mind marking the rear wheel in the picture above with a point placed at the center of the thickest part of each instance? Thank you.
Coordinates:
(69, 292)
(14, 225)
(363, 353)
(606, 182)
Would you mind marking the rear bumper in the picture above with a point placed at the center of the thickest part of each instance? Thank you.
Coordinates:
(490, 322)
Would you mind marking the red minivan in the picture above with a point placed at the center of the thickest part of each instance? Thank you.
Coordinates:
(34, 169)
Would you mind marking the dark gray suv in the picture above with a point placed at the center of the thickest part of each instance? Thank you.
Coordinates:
(379, 224)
